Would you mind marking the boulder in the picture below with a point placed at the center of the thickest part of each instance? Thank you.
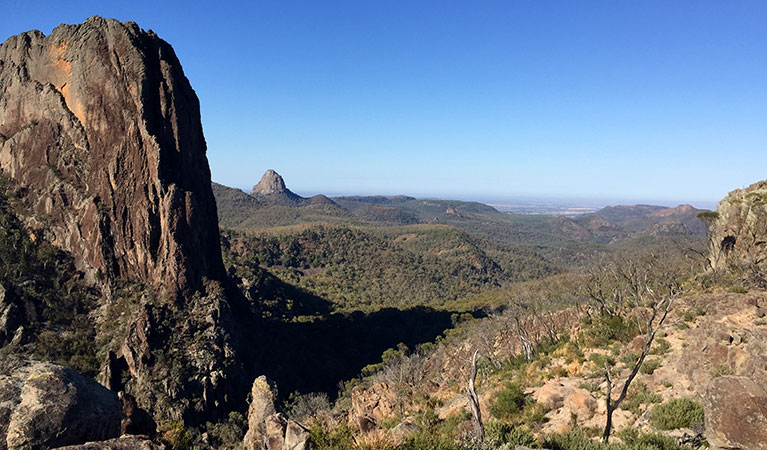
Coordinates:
(285, 434)
(275, 431)
(45, 405)
(296, 436)
(736, 413)
(403, 431)
(121, 443)
(565, 400)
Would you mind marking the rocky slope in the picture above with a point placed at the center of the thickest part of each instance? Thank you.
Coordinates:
(101, 138)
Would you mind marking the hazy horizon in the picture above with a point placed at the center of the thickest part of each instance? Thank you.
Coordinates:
(502, 200)
(648, 102)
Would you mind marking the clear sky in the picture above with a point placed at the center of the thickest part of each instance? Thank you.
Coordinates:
(652, 101)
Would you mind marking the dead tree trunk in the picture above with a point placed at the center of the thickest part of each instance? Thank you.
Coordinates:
(663, 304)
(474, 400)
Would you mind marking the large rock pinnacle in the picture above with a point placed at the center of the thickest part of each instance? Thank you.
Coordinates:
(100, 133)
(271, 183)
(100, 130)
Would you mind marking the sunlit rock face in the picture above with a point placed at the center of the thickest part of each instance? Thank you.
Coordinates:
(739, 233)
(101, 132)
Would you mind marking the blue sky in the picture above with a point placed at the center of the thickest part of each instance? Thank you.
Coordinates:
(624, 101)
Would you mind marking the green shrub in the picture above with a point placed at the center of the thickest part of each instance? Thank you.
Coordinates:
(654, 441)
(660, 347)
(599, 360)
(630, 358)
(509, 402)
(339, 438)
(677, 413)
(638, 395)
(426, 441)
(228, 435)
(175, 435)
(605, 329)
(650, 365)
(577, 440)
(497, 434)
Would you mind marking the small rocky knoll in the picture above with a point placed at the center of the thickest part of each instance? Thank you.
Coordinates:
(739, 233)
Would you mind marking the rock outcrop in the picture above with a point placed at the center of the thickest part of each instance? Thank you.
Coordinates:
(371, 406)
(268, 430)
(262, 397)
(43, 405)
(271, 183)
(121, 443)
(272, 189)
(736, 413)
(101, 132)
(739, 233)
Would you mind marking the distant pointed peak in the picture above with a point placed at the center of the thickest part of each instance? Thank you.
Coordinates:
(271, 183)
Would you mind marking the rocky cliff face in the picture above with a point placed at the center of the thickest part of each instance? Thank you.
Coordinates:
(101, 131)
(739, 233)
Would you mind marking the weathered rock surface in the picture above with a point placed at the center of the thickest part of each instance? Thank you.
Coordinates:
(736, 413)
(121, 443)
(101, 132)
(566, 401)
(43, 405)
(271, 183)
(739, 234)
(285, 434)
(262, 396)
(268, 430)
(371, 406)
(726, 341)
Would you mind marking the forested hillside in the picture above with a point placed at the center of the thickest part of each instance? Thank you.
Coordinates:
(370, 268)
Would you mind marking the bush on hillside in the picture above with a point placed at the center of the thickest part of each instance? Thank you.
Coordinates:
(677, 413)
